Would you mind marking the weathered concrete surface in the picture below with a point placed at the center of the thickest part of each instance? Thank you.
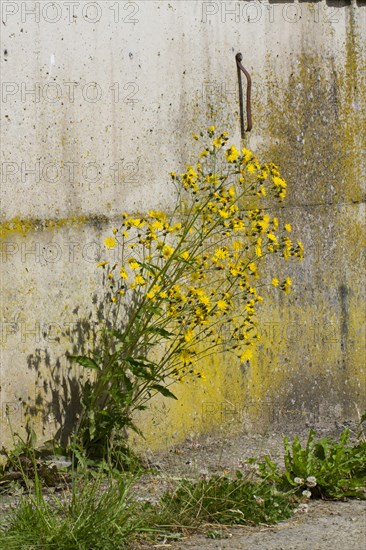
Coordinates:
(118, 93)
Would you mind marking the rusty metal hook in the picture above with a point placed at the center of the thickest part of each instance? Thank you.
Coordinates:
(240, 68)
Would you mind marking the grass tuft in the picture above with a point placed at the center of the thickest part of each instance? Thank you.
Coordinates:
(95, 515)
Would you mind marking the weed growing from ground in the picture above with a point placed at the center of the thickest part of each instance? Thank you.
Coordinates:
(322, 468)
(223, 500)
(184, 285)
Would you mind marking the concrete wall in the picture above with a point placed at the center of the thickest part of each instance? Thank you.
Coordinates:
(99, 101)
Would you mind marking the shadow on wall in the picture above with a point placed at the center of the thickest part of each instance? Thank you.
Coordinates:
(59, 386)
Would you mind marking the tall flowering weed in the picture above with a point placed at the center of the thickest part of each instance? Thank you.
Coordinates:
(187, 284)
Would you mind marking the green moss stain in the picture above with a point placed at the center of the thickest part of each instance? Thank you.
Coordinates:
(314, 127)
(315, 122)
(23, 226)
(353, 117)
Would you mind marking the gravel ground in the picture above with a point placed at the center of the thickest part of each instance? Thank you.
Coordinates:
(326, 526)
(323, 525)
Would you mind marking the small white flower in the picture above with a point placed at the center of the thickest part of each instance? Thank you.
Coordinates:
(307, 494)
(299, 480)
(311, 481)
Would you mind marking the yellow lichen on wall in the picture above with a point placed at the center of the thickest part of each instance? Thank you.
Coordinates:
(202, 406)
(313, 342)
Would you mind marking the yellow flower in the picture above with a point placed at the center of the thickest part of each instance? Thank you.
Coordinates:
(157, 215)
(157, 225)
(185, 356)
(279, 182)
(114, 230)
(252, 267)
(246, 355)
(217, 142)
(211, 129)
(163, 294)
(258, 248)
(288, 227)
(195, 136)
(287, 249)
(238, 225)
(184, 255)
(287, 284)
(110, 242)
(188, 335)
(204, 300)
(102, 264)
(247, 155)
(139, 280)
(123, 273)
(263, 224)
(113, 299)
(275, 281)
(232, 192)
(272, 237)
(192, 173)
(173, 175)
(203, 153)
(151, 294)
(220, 254)
(300, 252)
(222, 305)
(197, 276)
(274, 169)
(224, 213)
(232, 154)
(133, 263)
(167, 251)
(135, 222)
(176, 227)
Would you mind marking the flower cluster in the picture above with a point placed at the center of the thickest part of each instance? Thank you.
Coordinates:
(310, 482)
(187, 283)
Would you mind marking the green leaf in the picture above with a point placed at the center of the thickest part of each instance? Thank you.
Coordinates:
(140, 361)
(84, 361)
(150, 267)
(137, 430)
(119, 335)
(164, 391)
(161, 331)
